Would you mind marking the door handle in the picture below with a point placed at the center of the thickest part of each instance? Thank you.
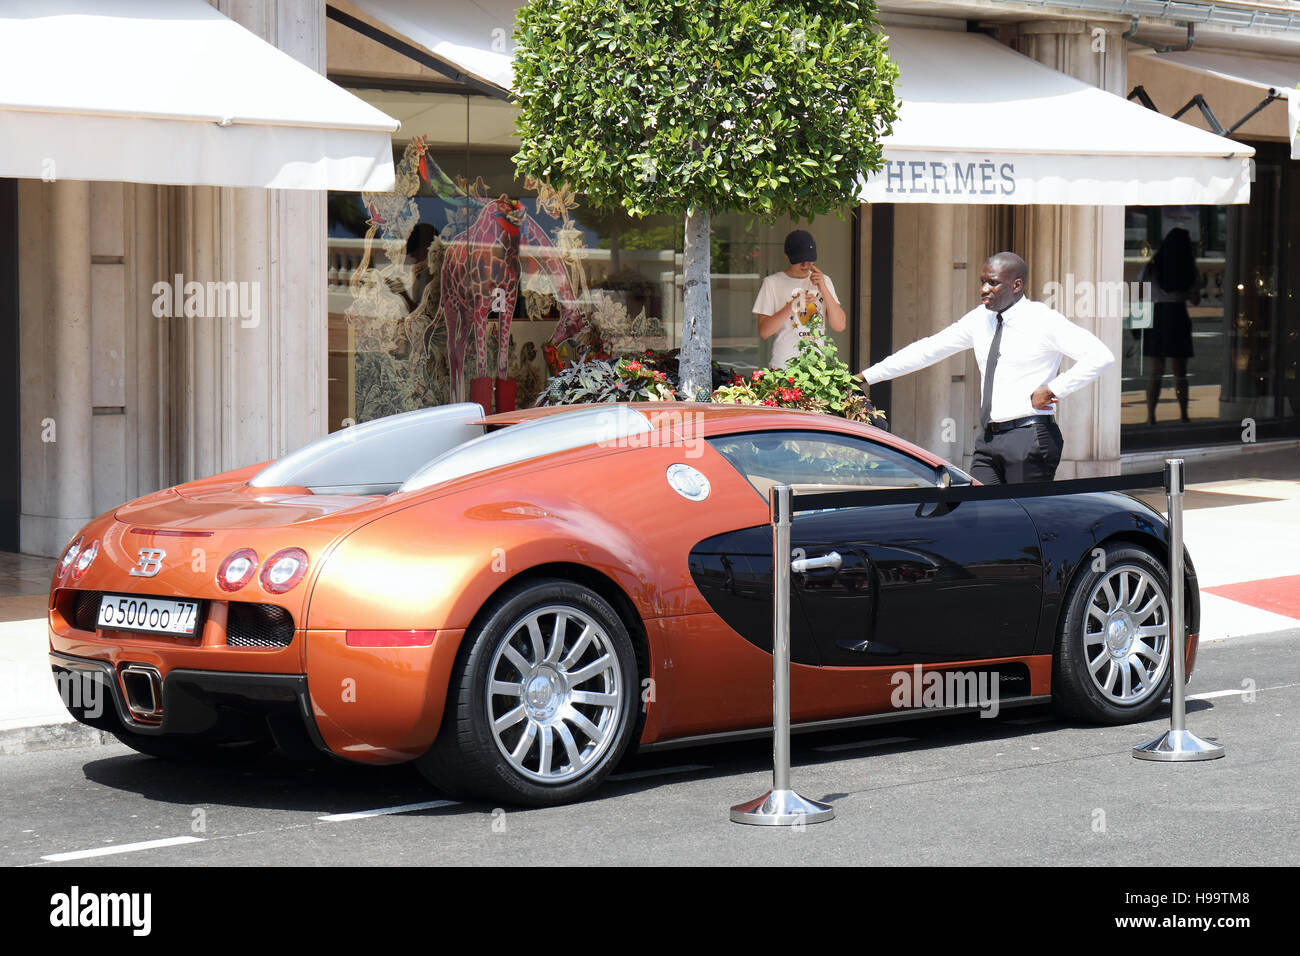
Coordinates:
(800, 565)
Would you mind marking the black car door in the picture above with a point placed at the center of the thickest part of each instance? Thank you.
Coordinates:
(916, 584)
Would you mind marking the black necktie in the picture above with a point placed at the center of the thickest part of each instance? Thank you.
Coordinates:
(990, 366)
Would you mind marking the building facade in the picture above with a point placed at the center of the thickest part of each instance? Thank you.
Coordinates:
(364, 303)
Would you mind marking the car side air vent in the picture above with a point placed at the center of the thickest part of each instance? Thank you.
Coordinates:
(258, 625)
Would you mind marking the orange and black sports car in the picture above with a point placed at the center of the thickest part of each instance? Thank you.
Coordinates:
(513, 602)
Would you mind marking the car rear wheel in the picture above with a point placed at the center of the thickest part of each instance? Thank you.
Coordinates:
(1113, 653)
(541, 703)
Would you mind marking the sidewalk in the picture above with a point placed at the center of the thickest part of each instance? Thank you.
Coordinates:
(32, 716)
(1241, 521)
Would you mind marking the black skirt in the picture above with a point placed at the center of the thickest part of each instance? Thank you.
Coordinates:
(1170, 335)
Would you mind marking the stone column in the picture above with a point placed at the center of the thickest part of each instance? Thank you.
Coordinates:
(56, 361)
(253, 385)
(1080, 247)
(938, 251)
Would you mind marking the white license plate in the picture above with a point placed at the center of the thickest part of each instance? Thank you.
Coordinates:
(118, 612)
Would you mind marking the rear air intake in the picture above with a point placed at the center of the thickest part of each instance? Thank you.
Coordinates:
(258, 625)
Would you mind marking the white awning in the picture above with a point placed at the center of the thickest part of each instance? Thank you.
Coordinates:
(1232, 86)
(474, 36)
(982, 124)
(172, 91)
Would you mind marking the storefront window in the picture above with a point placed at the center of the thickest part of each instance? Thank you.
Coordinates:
(424, 282)
(1175, 345)
(1241, 379)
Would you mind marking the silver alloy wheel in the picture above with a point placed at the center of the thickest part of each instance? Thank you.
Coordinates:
(1126, 635)
(555, 694)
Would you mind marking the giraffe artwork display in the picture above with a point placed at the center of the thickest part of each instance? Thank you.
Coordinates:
(443, 269)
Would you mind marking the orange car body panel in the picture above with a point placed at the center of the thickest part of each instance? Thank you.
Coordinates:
(379, 704)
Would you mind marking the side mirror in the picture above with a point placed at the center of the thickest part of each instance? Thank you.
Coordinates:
(955, 476)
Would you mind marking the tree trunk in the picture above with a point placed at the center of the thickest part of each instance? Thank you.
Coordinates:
(695, 366)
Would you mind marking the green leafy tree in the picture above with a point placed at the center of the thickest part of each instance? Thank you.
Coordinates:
(698, 107)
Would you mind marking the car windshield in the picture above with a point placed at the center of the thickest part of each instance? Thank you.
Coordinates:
(606, 425)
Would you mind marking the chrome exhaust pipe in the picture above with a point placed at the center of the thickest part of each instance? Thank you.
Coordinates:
(142, 685)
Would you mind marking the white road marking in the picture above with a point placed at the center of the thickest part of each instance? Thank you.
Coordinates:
(384, 811)
(637, 774)
(861, 744)
(1210, 695)
(120, 848)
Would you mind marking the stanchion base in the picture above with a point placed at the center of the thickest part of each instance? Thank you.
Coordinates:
(1176, 745)
(781, 808)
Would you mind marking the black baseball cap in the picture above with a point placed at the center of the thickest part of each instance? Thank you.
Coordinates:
(800, 246)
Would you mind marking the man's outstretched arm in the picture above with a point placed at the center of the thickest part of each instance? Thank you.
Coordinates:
(922, 353)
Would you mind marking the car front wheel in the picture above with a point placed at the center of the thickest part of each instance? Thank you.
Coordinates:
(541, 703)
(1113, 654)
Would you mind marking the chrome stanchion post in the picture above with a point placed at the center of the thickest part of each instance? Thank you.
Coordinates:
(781, 806)
(1177, 743)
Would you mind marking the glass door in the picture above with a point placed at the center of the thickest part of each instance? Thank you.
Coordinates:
(1252, 315)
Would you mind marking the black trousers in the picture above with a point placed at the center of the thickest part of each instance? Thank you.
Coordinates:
(1025, 454)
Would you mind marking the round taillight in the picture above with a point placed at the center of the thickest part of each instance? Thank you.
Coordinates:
(283, 570)
(70, 555)
(84, 560)
(237, 570)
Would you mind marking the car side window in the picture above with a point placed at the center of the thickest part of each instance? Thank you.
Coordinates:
(819, 459)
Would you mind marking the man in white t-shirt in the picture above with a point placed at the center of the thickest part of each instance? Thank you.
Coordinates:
(787, 300)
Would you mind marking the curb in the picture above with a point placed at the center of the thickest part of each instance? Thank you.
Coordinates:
(63, 736)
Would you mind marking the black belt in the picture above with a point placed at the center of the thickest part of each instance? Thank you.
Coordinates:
(998, 427)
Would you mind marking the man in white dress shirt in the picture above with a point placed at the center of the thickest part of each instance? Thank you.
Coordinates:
(1018, 346)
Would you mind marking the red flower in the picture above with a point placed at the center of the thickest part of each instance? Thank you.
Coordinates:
(790, 380)
(796, 394)
(634, 366)
(769, 401)
(758, 374)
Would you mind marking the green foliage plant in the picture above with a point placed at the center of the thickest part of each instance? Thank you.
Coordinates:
(815, 380)
(597, 380)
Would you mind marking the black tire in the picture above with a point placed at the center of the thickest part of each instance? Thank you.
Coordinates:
(195, 750)
(1113, 660)
(556, 692)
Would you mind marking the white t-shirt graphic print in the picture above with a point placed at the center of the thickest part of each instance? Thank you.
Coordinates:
(773, 295)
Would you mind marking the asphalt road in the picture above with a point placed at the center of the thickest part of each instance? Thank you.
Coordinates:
(1023, 788)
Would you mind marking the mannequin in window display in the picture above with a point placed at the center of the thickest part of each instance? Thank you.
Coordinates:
(418, 247)
(418, 293)
(1175, 282)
